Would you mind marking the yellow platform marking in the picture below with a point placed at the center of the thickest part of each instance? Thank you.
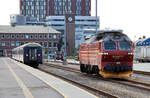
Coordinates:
(43, 81)
(26, 91)
(53, 86)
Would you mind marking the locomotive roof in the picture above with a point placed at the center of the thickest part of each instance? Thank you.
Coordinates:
(29, 45)
(107, 35)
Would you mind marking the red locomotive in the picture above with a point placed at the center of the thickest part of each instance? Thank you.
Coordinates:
(109, 53)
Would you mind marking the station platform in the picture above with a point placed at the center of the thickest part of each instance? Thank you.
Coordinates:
(21, 81)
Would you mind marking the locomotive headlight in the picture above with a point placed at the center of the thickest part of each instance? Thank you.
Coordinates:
(105, 53)
(130, 53)
(27, 55)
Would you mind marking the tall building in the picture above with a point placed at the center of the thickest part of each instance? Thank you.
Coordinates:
(42, 8)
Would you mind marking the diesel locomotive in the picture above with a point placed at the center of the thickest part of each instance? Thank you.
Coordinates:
(109, 53)
(30, 54)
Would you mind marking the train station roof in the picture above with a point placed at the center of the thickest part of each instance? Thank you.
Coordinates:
(27, 29)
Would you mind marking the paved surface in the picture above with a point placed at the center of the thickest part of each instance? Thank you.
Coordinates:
(21, 81)
(142, 67)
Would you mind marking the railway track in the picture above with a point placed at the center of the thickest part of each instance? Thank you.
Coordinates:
(128, 82)
(135, 71)
(105, 94)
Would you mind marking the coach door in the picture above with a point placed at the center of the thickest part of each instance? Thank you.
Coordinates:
(33, 54)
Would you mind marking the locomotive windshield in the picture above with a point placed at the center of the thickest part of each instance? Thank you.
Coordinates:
(110, 45)
(124, 45)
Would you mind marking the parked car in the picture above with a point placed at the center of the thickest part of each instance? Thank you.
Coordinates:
(59, 56)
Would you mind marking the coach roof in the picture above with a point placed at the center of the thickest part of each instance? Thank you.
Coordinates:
(26, 29)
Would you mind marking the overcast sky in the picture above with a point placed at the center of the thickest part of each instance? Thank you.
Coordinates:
(133, 16)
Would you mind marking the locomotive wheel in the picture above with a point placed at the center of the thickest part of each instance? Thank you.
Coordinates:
(89, 71)
(82, 68)
(96, 69)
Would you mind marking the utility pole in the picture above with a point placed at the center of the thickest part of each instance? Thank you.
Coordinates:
(96, 15)
(65, 44)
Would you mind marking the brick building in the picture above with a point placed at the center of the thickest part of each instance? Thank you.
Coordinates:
(42, 8)
(11, 37)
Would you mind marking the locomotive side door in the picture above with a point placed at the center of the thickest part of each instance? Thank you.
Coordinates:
(100, 55)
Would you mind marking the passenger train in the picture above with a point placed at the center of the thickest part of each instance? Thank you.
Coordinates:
(30, 54)
(109, 53)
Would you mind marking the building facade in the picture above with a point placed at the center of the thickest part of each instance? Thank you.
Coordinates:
(42, 8)
(80, 24)
(11, 37)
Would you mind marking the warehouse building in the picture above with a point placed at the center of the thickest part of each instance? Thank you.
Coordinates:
(14, 36)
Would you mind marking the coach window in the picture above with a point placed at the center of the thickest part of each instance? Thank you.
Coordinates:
(12, 43)
(27, 36)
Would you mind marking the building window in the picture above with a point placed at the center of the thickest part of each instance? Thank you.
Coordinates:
(36, 36)
(50, 36)
(3, 44)
(45, 36)
(31, 36)
(54, 36)
(3, 36)
(12, 43)
(21, 43)
(17, 44)
(45, 44)
(12, 36)
(17, 36)
(54, 44)
(27, 36)
(49, 44)
(7, 36)
(40, 36)
(22, 36)
(41, 43)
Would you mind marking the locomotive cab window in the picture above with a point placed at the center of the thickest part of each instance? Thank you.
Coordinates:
(124, 45)
(110, 45)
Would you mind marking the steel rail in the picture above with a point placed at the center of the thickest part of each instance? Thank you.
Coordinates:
(127, 81)
(82, 85)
